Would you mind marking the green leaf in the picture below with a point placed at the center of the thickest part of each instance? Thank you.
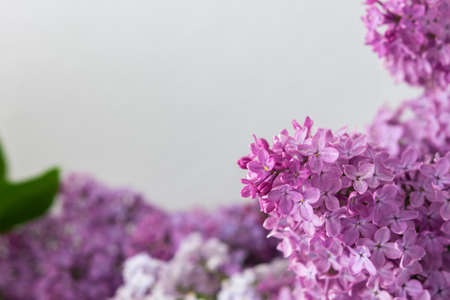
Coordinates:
(24, 201)
(3, 165)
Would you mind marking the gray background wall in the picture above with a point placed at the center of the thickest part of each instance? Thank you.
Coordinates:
(164, 95)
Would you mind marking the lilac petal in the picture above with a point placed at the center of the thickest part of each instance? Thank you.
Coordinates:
(368, 243)
(425, 295)
(383, 295)
(381, 214)
(416, 199)
(446, 227)
(311, 195)
(255, 166)
(317, 221)
(368, 229)
(329, 154)
(285, 205)
(442, 166)
(445, 179)
(434, 245)
(315, 163)
(391, 251)
(445, 210)
(275, 195)
(308, 227)
(414, 288)
(388, 192)
(384, 173)
(378, 258)
(382, 235)
(285, 247)
(360, 186)
(305, 149)
(407, 215)
(319, 139)
(370, 267)
(296, 196)
(333, 226)
(350, 171)
(427, 170)
(246, 191)
(357, 266)
(350, 236)
(335, 184)
(306, 211)
(366, 170)
(406, 260)
(412, 254)
(399, 227)
(270, 163)
(416, 252)
(409, 156)
(300, 135)
(266, 205)
(270, 223)
(331, 203)
(410, 236)
(263, 156)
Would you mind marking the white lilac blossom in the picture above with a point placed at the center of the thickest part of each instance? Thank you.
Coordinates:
(264, 281)
(140, 274)
(196, 270)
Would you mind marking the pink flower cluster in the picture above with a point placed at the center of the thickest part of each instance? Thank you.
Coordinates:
(413, 37)
(357, 219)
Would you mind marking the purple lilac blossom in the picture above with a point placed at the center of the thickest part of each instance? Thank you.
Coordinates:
(418, 126)
(75, 253)
(413, 38)
(153, 234)
(346, 235)
(22, 252)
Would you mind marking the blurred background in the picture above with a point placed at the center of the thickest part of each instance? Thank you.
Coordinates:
(163, 96)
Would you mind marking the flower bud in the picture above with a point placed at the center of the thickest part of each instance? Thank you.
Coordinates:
(243, 162)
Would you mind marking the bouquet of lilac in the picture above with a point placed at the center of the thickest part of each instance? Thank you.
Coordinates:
(367, 216)
(356, 215)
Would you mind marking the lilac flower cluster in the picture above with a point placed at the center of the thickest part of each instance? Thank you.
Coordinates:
(195, 272)
(75, 253)
(20, 254)
(202, 269)
(264, 281)
(238, 226)
(153, 234)
(413, 37)
(358, 220)
(422, 123)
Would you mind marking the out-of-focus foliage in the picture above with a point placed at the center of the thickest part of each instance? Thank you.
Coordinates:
(25, 200)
